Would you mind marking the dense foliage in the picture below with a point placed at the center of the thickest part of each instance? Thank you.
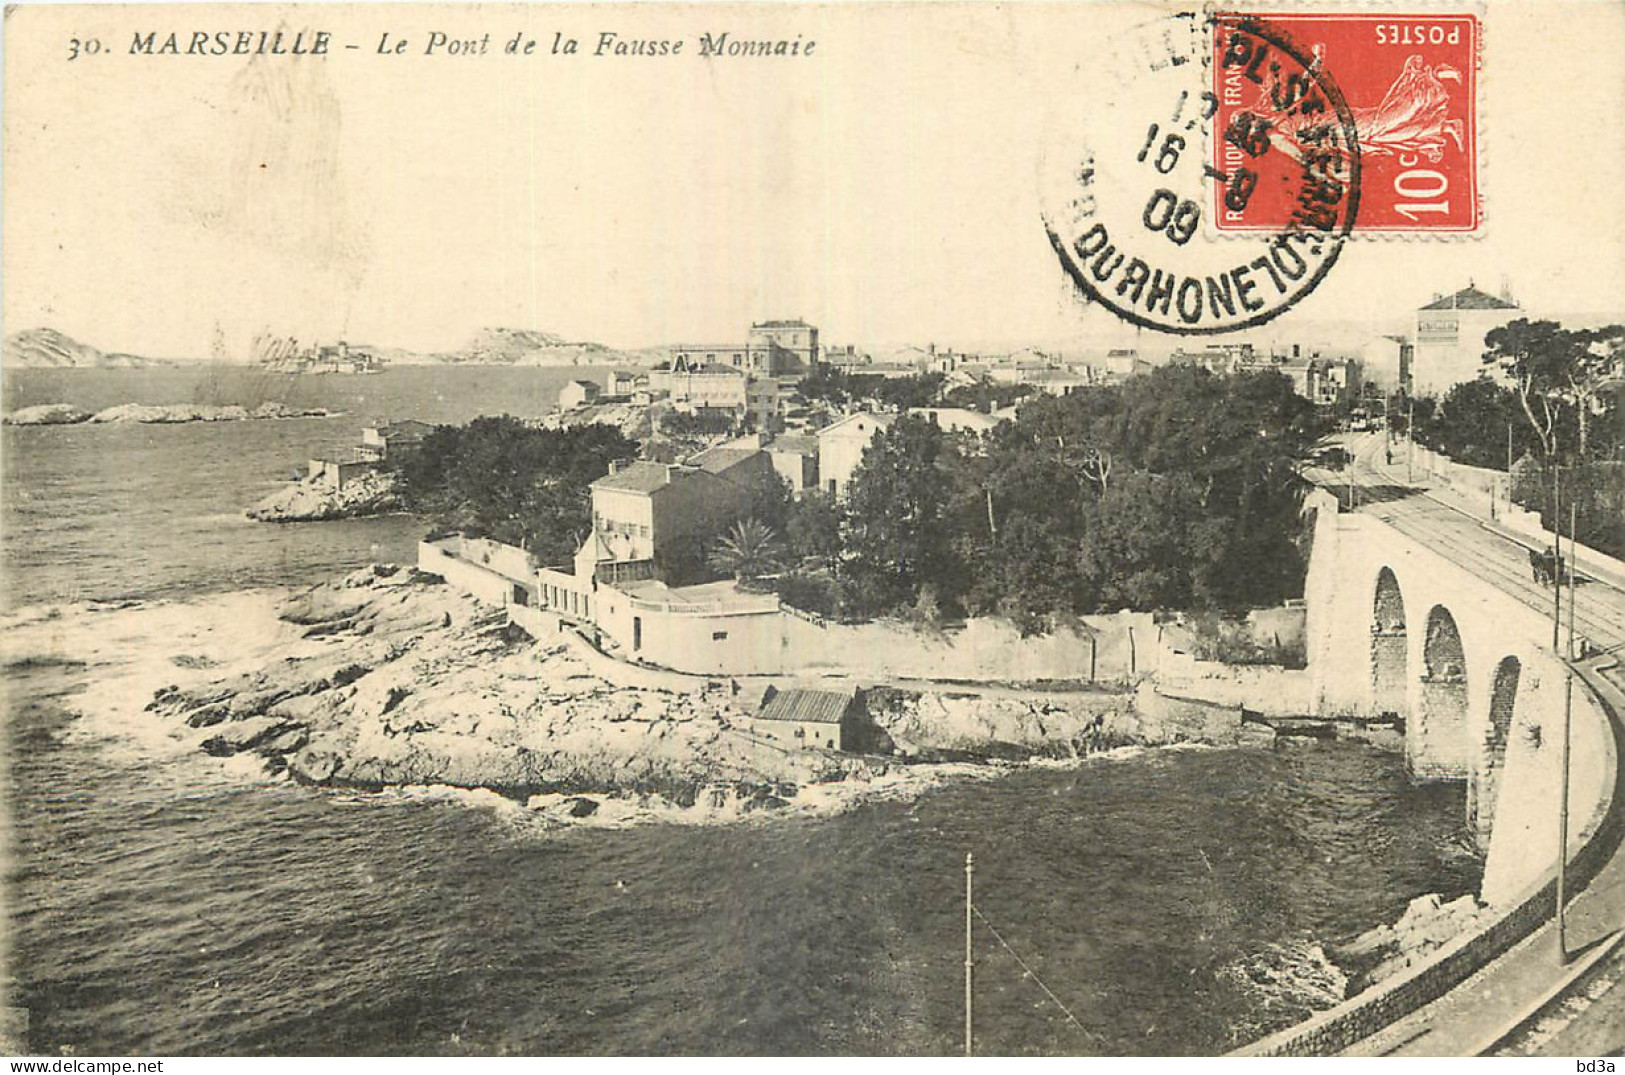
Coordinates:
(987, 396)
(840, 388)
(1177, 489)
(704, 422)
(500, 478)
(1475, 423)
(1553, 401)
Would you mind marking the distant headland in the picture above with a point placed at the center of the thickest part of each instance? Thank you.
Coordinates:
(47, 348)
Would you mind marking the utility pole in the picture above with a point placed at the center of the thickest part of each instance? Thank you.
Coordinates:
(1509, 468)
(1563, 793)
(1557, 557)
(970, 867)
(1410, 438)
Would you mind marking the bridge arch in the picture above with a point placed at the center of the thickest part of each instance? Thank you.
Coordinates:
(1436, 737)
(1483, 790)
(1389, 676)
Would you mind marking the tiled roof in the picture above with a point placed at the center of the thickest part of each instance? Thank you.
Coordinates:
(811, 707)
(721, 459)
(883, 420)
(1470, 298)
(798, 323)
(795, 444)
(637, 477)
(406, 428)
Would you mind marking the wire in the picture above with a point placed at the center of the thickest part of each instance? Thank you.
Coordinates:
(1034, 976)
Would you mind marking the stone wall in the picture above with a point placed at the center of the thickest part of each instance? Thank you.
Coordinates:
(1111, 649)
(472, 578)
(1266, 689)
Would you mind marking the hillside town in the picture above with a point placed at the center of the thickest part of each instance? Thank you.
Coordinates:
(779, 411)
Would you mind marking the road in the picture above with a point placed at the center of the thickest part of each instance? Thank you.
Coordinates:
(1459, 527)
(1528, 1002)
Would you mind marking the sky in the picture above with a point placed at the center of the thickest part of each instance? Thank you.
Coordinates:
(883, 188)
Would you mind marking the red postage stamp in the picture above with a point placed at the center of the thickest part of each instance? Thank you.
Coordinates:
(1409, 81)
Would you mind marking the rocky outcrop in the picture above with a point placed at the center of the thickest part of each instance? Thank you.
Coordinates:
(399, 679)
(632, 419)
(403, 681)
(47, 414)
(156, 414)
(929, 725)
(315, 500)
(170, 413)
(1427, 925)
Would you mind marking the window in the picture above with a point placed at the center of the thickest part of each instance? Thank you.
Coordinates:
(719, 636)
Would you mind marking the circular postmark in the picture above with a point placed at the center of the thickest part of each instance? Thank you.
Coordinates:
(1190, 119)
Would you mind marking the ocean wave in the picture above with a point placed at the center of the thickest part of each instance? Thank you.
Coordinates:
(1286, 982)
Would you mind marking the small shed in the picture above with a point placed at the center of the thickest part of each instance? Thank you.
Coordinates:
(577, 394)
(808, 718)
(341, 468)
(395, 440)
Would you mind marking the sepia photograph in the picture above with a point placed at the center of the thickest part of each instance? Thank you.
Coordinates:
(914, 529)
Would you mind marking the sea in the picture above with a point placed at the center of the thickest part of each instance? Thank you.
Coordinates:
(159, 901)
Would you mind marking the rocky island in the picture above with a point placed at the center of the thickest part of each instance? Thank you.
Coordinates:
(156, 414)
(317, 500)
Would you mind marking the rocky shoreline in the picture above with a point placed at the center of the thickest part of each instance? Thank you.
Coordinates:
(316, 500)
(59, 414)
(399, 680)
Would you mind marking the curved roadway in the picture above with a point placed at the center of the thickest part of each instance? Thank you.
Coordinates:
(1528, 1001)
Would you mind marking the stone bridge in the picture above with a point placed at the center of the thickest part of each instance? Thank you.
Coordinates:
(1425, 609)
(1429, 627)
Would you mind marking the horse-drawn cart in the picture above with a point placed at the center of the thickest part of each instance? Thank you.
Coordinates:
(1548, 567)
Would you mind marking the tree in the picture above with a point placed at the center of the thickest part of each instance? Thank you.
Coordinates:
(1597, 363)
(769, 501)
(749, 550)
(1141, 550)
(501, 478)
(895, 536)
(1471, 424)
(814, 528)
(1538, 358)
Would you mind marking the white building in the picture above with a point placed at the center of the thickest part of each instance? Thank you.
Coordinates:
(1449, 341)
(577, 394)
(841, 447)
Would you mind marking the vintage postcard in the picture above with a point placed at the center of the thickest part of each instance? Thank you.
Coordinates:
(1083, 529)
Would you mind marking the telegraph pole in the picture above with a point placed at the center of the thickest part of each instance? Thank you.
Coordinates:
(1563, 793)
(970, 867)
(1410, 438)
(1557, 557)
